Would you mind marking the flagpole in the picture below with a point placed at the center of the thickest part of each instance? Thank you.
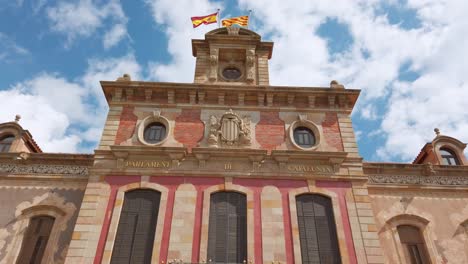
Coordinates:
(219, 18)
(250, 16)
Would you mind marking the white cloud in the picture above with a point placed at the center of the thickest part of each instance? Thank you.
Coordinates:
(114, 36)
(9, 49)
(61, 114)
(436, 51)
(175, 16)
(84, 17)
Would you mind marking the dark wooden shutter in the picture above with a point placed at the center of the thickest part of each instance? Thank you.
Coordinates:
(227, 235)
(413, 243)
(35, 240)
(317, 231)
(137, 225)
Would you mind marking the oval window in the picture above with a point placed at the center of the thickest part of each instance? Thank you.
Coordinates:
(304, 137)
(154, 133)
(231, 73)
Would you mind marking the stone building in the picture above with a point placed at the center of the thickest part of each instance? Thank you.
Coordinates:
(229, 169)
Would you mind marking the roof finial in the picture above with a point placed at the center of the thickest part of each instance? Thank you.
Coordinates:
(17, 118)
(336, 84)
(437, 131)
(125, 78)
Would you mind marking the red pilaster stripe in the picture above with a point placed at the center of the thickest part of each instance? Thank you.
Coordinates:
(167, 225)
(257, 214)
(197, 226)
(287, 226)
(105, 226)
(115, 182)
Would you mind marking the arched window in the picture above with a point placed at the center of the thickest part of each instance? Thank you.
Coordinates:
(137, 225)
(154, 132)
(227, 234)
(448, 157)
(413, 244)
(35, 239)
(304, 137)
(317, 231)
(5, 143)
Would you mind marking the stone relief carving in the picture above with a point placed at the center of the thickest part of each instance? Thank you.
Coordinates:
(229, 130)
(213, 64)
(250, 62)
(424, 180)
(233, 31)
(43, 169)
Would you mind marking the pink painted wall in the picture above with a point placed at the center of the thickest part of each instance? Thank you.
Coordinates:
(201, 183)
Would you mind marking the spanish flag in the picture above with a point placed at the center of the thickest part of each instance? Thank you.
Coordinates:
(209, 19)
(241, 21)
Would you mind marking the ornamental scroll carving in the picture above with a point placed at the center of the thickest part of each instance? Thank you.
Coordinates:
(421, 180)
(229, 131)
(213, 64)
(43, 169)
(250, 63)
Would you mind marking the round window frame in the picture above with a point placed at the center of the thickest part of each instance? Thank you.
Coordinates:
(146, 122)
(310, 125)
(231, 66)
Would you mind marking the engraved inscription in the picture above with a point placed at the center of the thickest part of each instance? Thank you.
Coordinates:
(311, 168)
(147, 164)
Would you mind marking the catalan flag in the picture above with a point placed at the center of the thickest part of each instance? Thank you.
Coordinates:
(241, 21)
(209, 19)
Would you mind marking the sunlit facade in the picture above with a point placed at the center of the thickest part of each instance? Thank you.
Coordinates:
(229, 169)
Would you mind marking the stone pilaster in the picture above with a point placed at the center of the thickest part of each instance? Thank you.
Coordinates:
(362, 218)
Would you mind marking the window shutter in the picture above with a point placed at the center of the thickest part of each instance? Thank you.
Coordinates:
(317, 232)
(135, 233)
(35, 239)
(227, 237)
(413, 242)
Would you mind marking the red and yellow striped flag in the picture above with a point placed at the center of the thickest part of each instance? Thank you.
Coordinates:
(241, 21)
(209, 19)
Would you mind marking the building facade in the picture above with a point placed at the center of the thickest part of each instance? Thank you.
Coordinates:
(229, 169)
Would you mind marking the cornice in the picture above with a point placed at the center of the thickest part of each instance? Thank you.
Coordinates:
(223, 95)
(415, 175)
(418, 180)
(376, 168)
(47, 158)
(45, 166)
(225, 162)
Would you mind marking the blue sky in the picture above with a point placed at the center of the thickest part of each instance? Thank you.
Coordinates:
(408, 57)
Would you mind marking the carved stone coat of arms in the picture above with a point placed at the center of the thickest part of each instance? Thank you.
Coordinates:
(229, 130)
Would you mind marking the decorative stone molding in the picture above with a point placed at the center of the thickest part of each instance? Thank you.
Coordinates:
(116, 212)
(155, 117)
(213, 64)
(229, 131)
(233, 31)
(340, 229)
(389, 230)
(419, 180)
(304, 122)
(50, 204)
(43, 169)
(250, 65)
(177, 93)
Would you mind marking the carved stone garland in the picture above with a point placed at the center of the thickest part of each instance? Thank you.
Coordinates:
(43, 169)
(229, 131)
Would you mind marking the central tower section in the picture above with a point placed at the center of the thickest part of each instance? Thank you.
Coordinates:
(232, 55)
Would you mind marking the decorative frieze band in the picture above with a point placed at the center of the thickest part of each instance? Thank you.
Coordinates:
(421, 180)
(44, 169)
